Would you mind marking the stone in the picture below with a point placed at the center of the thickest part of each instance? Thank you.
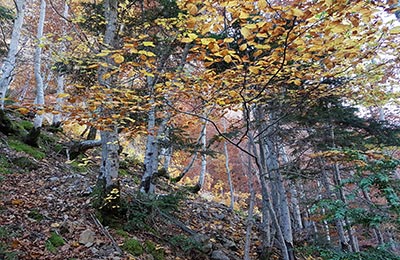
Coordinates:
(219, 255)
(87, 238)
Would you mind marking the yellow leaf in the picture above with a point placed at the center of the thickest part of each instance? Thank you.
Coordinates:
(206, 41)
(62, 95)
(297, 82)
(229, 40)
(192, 9)
(118, 58)
(262, 4)
(147, 44)
(243, 15)
(297, 12)
(395, 30)
(257, 53)
(103, 53)
(186, 40)
(228, 59)
(23, 110)
(245, 32)
(254, 70)
(106, 76)
(192, 36)
(243, 47)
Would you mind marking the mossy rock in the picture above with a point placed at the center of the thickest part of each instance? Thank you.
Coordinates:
(25, 163)
(22, 147)
(10, 127)
(5, 165)
(133, 247)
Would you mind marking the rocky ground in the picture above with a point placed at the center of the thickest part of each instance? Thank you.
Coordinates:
(46, 213)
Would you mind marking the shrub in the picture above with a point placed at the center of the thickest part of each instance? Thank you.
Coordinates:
(133, 247)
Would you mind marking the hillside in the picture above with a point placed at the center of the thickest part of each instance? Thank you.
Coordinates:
(46, 213)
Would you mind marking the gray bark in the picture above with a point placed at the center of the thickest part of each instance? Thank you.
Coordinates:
(271, 149)
(203, 169)
(109, 159)
(60, 75)
(37, 67)
(8, 65)
(249, 221)
(343, 239)
(110, 142)
(228, 172)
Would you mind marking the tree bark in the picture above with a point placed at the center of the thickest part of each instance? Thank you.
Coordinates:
(203, 168)
(33, 136)
(60, 76)
(228, 172)
(108, 177)
(9, 63)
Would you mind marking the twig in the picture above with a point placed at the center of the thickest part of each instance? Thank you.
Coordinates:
(107, 234)
(178, 223)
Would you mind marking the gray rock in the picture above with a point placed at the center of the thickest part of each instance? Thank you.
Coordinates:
(229, 244)
(87, 238)
(204, 241)
(219, 255)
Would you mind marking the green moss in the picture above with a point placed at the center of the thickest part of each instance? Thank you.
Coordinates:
(5, 166)
(157, 253)
(25, 124)
(133, 247)
(54, 241)
(123, 172)
(35, 214)
(22, 147)
(78, 166)
(122, 233)
(25, 163)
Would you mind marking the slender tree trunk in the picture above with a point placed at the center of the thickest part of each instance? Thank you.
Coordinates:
(268, 207)
(377, 232)
(203, 169)
(343, 239)
(298, 223)
(228, 172)
(272, 163)
(37, 66)
(249, 221)
(151, 154)
(33, 137)
(6, 73)
(350, 230)
(108, 177)
(60, 76)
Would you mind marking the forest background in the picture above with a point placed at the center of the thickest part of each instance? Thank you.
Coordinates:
(285, 110)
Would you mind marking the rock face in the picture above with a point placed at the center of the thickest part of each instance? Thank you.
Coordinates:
(87, 238)
(219, 255)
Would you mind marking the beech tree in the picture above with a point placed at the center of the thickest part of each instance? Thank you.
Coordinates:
(8, 64)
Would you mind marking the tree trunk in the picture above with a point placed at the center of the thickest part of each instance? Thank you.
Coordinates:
(9, 63)
(269, 135)
(33, 136)
(343, 239)
(203, 169)
(249, 221)
(60, 76)
(228, 172)
(350, 230)
(108, 177)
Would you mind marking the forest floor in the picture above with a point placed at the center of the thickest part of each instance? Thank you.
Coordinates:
(46, 213)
